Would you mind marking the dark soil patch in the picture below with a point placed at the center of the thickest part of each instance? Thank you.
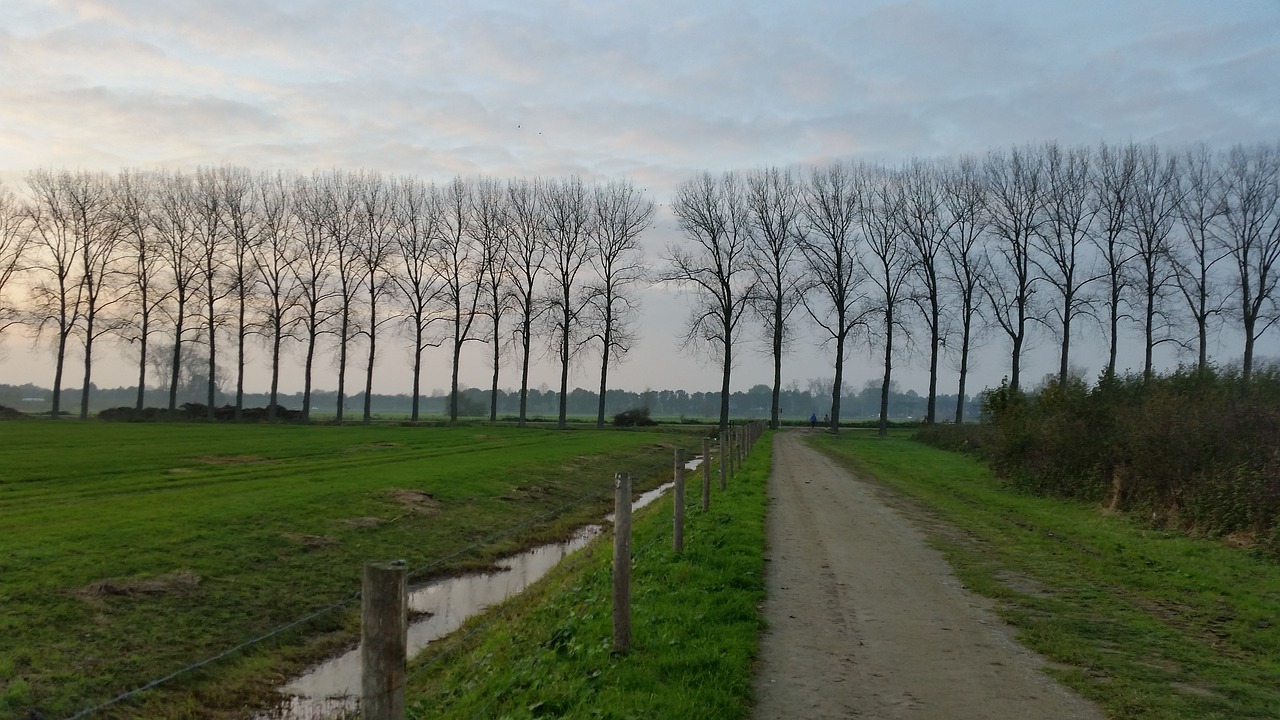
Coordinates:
(179, 581)
(231, 459)
(415, 501)
(310, 542)
(364, 522)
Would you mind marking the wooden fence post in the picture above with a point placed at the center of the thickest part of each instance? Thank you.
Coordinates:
(724, 459)
(677, 535)
(383, 640)
(622, 563)
(706, 474)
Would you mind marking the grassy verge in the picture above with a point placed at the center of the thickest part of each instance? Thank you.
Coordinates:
(694, 636)
(1146, 623)
(130, 551)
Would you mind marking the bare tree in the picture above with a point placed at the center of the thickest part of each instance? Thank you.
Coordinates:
(375, 245)
(1015, 183)
(459, 267)
(71, 219)
(774, 210)
(175, 224)
(566, 205)
(1063, 239)
(925, 222)
(492, 219)
(1200, 212)
(1153, 214)
(832, 206)
(342, 226)
(1251, 231)
(1113, 190)
(888, 262)
(135, 197)
(243, 227)
(528, 251)
(313, 265)
(417, 214)
(965, 195)
(714, 267)
(621, 213)
(209, 248)
(15, 239)
(274, 255)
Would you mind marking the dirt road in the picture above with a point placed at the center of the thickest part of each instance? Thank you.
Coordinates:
(866, 621)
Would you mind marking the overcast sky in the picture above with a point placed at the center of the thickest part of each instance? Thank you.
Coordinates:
(651, 91)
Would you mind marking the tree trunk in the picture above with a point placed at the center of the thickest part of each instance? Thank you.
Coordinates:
(417, 372)
(775, 414)
(936, 313)
(368, 375)
(453, 381)
(888, 372)
(726, 371)
(213, 360)
(563, 421)
(88, 368)
(241, 331)
(524, 375)
(306, 374)
(1064, 360)
(177, 362)
(142, 362)
(839, 380)
(964, 369)
(497, 357)
(604, 372)
(342, 361)
(275, 373)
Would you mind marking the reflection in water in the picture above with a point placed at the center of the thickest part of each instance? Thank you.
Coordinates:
(332, 688)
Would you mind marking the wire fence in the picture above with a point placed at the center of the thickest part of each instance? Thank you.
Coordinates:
(418, 571)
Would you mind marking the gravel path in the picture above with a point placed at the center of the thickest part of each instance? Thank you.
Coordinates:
(866, 621)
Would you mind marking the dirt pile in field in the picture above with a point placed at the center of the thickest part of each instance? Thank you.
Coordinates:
(179, 581)
(415, 501)
(8, 413)
(310, 542)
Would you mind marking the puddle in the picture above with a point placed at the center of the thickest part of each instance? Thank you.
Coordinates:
(332, 688)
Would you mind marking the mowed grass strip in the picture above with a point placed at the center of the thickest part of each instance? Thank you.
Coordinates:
(128, 551)
(695, 630)
(1146, 623)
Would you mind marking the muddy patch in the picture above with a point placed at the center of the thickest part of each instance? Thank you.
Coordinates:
(525, 493)
(177, 582)
(364, 522)
(310, 542)
(231, 459)
(418, 502)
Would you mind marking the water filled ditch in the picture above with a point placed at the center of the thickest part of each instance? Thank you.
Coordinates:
(332, 688)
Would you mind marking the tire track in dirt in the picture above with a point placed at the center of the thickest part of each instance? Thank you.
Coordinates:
(864, 620)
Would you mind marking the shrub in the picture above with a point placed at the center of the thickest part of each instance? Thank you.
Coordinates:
(635, 417)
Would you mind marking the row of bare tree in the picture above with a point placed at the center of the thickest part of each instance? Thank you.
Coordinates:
(1177, 243)
(229, 253)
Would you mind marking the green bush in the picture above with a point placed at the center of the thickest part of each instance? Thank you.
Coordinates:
(1196, 450)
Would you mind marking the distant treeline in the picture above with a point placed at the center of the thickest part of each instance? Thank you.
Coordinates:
(474, 402)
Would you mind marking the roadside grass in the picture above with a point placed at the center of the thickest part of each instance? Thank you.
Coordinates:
(696, 622)
(1148, 624)
(129, 551)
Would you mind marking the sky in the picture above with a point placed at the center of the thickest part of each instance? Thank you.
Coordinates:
(653, 92)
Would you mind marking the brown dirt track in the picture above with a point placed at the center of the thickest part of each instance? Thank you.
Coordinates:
(866, 621)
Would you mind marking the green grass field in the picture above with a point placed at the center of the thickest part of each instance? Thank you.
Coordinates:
(1149, 624)
(128, 551)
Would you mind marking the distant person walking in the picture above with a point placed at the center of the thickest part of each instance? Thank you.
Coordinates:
(813, 421)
